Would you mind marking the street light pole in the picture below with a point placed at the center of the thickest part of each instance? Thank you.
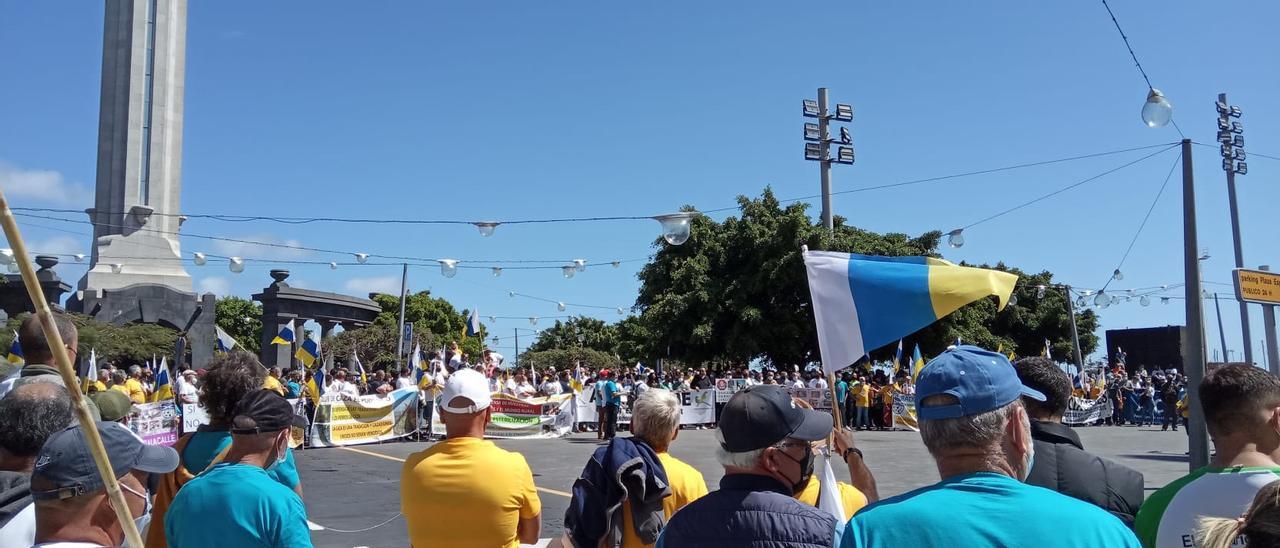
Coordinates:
(1222, 333)
(1231, 139)
(1075, 334)
(404, 289)
(1193, 354)
(817, 146)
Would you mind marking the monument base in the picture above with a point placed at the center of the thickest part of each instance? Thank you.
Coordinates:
(156, 304)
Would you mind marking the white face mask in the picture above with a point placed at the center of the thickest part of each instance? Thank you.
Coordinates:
(282, 452)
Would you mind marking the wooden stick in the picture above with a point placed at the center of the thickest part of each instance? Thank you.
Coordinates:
(87, 423)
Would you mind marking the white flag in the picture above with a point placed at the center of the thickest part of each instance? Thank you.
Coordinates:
(829, 500)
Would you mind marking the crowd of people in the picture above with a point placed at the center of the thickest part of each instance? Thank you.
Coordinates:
(1011, 473)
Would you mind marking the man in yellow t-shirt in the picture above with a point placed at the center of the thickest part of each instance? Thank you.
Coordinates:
(862, 402)
(852, 499)
(466, 491)
(655, 419)
(133, 385)
(272, 381)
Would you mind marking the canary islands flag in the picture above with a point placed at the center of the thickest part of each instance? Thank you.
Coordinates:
(473, 324)
(315, 386)
(15, 350)
(309, 351)
(286, 334)
(917, 363)
(863, 302)
(164, 389)
(90, 371)
(224, 340)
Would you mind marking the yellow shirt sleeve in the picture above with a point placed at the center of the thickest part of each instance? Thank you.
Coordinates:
(531, 505)
(136, 393)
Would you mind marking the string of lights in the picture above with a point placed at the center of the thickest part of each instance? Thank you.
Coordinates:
(1157, 111)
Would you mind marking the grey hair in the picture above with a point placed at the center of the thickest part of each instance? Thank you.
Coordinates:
(984, 430)
(117, 376)
(135, 369)
(745, 459)
(655, 417)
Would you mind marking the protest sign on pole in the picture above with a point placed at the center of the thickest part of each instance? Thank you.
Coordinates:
(156, 423)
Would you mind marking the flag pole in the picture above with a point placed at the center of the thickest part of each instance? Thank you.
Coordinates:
(59, 349)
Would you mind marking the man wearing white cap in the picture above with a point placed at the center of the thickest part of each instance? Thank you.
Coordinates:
(465, 491)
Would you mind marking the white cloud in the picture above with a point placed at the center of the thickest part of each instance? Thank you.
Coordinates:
(214, 284)
(42, 185)
(59, 245)
(256, 251)
(376, 284)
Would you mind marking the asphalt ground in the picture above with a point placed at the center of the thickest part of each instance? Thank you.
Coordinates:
(357, 488)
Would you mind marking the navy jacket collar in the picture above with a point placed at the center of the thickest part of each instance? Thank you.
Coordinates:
(753, 482)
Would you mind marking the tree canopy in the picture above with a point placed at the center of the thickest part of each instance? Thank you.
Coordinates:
(242, 319)
(435, 323)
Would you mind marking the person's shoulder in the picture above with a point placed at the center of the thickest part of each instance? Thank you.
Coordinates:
(670, 462)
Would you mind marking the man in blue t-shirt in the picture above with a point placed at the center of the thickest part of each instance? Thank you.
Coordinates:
(263, 512)
(974, 425)
(607, 390)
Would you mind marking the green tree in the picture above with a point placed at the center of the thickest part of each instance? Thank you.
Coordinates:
(738, 290)
(128, 344)
(565, 358)
(578, 332)
(242, 319)
(435, 323)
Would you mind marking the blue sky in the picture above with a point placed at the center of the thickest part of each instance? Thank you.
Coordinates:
(508, 110)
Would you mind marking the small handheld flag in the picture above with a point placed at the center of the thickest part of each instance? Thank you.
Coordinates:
(315, 385)
(917, 363)
(473, 324)
(286, 334)
(364, 379)
(829, 495)
(90, 371)
(164, 390)
(309, 351)
(15, 350)
(224, 341)
(416, 364)
(1047, 352)
(863, 302)
(897, 358)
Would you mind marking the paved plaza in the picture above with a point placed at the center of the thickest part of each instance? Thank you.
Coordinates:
(350, 489)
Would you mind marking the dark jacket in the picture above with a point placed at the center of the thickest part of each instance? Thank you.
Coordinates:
(15, 494)
(625, 469)
(751, 511)
(1062, 464)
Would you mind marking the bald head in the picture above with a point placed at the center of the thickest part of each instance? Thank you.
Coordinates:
(32, 412)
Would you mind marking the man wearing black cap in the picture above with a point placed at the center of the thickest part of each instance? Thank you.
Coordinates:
(765, 449)
(264, 513)
(72, 508)
(972, 421)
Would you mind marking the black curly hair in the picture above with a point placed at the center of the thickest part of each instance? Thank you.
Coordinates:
(227, 379)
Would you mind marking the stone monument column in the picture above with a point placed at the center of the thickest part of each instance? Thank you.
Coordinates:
(136, 209)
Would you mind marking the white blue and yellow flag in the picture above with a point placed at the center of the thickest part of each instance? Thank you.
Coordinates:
(164, 389)
(309, 351)
(15, 350)
(224, 340)
(286, 335)
(364, 378)
(864, 302)
(90, 371)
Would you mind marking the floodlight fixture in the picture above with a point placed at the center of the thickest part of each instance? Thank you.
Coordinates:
(844, 113)
(811, 132)
(845, 137)
(810, 108)
(1238, 141)
(844, 155)
(812, 151)
(1237, 127)
(1242, 168)
(1224, 124)
(1235, 111)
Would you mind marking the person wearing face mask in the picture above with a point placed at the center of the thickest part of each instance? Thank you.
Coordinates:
(227, 379)
(973, 422)
(72, 507)
(261, 512)
(765, 449)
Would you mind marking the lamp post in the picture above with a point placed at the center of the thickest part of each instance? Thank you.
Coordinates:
(817, 146)
(1231, 141)
(1193, 357)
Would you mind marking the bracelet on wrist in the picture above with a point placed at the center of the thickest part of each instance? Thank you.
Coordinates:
(850, 451)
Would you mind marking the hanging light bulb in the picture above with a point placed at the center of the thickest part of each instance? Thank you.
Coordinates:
(1164, 300)
(511, 294)
(580, 264)
(448, 267)
(1040, 289)
(493, 319)
(620, 311)
(497, 271)
(533, 320)
(200, 258)
(1102, 299)
(1145, 301)
(1132, 291)
(1013, 299)
(235, 264)
(1081, 302)
(1117, 275)
(487, 227)
(333, 266)
(568, 271)
(675, 226)
(1157, 111)
(361, 257)
(955, 238)
(116, 268)
(616, 264)
(560, 306)
(79, 257)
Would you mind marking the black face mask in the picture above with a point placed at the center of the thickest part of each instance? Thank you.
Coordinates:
(806, 469)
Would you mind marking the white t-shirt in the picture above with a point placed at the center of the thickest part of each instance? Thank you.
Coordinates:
(525, 390)
(345, 388)
(187, 393)
(818, 383)
(21, 528)
(551, 387)
(1170, 515)
(404, 382)
(797, 384)
(510, 387)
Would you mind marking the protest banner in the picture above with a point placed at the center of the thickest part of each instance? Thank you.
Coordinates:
(365, 419)
(696, 407)
(1087, 411)
(193, 416)
(904, 412)
(726, 388)
(156, 423)
(514, 418)
(819, 398)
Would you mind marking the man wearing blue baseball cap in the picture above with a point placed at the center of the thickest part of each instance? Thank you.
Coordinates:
(968, 401)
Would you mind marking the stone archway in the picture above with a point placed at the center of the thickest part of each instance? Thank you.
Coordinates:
(190, 314)
(282, 304)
